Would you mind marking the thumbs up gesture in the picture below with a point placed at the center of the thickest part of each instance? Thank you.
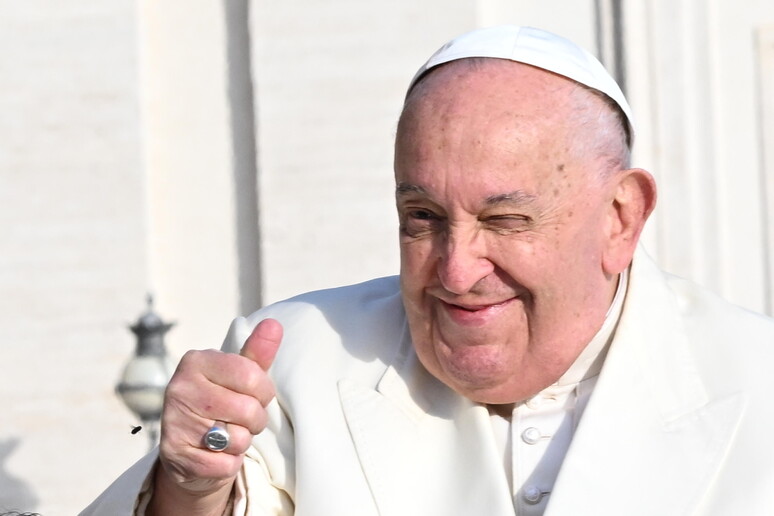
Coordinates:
(208, 388)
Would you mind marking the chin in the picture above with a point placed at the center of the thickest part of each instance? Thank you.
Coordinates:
(480, 385)
(487, 395)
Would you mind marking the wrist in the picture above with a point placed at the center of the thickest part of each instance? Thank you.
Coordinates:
(172, 498)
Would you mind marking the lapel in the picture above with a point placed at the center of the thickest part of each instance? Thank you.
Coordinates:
(651, 440)
(422, 448)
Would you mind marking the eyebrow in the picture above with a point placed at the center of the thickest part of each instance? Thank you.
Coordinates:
(407, 188)
(517, 197)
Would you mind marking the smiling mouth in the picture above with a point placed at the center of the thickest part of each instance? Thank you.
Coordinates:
(475, 308)
(475, 315)
(470, 308)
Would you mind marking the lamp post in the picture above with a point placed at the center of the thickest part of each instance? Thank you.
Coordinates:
(145, 376)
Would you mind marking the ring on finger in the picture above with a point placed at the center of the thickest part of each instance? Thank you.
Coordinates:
(217, 437)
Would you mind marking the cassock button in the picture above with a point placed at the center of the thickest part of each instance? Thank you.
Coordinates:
(532, 494)
(531, 435)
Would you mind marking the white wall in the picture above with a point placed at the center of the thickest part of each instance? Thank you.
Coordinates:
(765, 59)
(330, 79)
(225, 153)
(72, 255)
(189, 166)
(118, 175)
(694, 70)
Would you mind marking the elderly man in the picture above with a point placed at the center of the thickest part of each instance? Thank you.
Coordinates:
(529, 360)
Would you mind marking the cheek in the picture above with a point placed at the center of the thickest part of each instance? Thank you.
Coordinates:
(525, 260)
(415, 263)
(568, 243)
(416, 275)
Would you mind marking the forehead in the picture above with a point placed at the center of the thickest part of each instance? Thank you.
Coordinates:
(485, 120)
(500, 85)
(473, 102)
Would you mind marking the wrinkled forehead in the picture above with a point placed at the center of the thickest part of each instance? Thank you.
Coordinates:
(457, 93)
(491, 115)
(499, 116)
(539, 49)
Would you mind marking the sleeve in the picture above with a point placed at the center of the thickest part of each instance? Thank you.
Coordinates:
(253, 495)
(130, 492)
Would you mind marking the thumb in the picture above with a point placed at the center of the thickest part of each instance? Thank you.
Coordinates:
(263, 342)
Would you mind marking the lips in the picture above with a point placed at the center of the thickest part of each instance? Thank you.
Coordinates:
(472, 308)
(473, 314)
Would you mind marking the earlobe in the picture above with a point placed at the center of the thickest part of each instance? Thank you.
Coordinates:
(633, 200)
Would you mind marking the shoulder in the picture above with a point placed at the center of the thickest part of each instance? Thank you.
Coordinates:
(329, 331)
(360, 308)
(703, 313)
(731, 346)
(707, 313)
(364, 295)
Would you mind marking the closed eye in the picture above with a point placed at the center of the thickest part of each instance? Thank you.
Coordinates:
(510, 223)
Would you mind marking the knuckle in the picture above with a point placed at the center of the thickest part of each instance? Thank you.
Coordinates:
(247, 372)
(259, 422)
(267, 393)
(241, 439)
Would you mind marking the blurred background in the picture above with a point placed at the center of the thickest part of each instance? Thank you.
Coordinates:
(224, 154)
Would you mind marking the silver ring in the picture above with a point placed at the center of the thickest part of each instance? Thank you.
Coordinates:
(217, 438)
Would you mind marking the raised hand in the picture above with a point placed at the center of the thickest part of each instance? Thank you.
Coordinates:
(212, 387)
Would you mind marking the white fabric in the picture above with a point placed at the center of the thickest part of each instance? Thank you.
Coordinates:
(535, 438)
(534, 47)
(679, 423)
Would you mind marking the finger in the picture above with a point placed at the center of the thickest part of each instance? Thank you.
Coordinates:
(224, 372)
(244, 410)
(262, 344)
(213, 385)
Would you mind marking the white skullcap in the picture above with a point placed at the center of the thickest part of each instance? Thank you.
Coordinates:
(533, 47)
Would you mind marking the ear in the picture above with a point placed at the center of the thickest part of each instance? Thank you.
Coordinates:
(632, 202)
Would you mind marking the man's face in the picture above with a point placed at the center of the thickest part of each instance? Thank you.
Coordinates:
(502, 229)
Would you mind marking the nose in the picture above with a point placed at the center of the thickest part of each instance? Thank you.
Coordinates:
(463, 261)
